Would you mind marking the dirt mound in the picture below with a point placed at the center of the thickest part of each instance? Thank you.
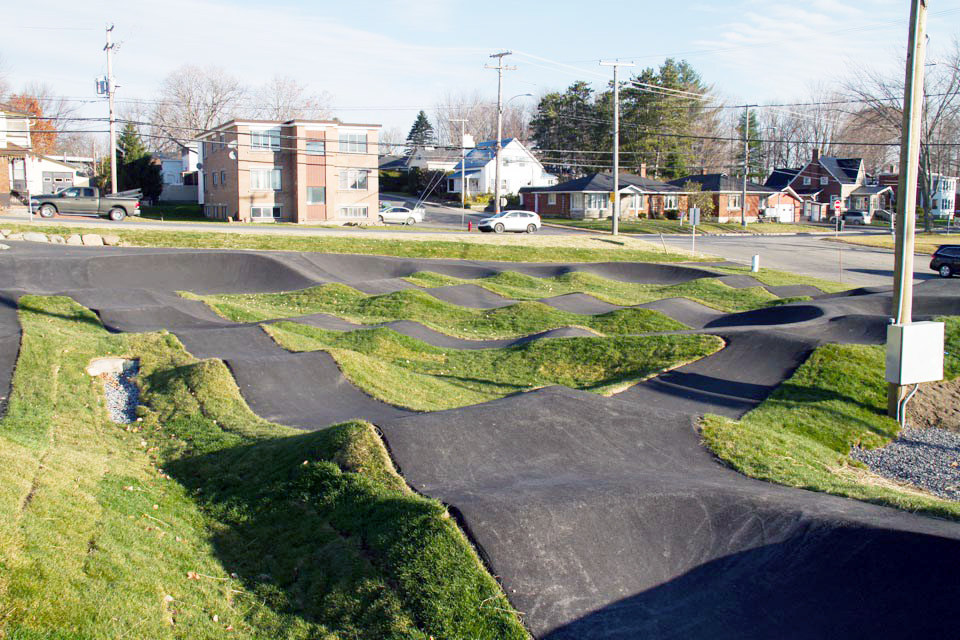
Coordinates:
(936, 405)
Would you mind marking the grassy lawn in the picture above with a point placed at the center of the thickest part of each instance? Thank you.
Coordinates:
(517, 320)
(802, 434)
(510, 248)
(673, 226)
(410, 373)
(518, 286)
(774, 278)
(176, 213)
(205, 521)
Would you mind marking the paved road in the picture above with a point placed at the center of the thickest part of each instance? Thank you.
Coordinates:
(808, 255)
(451, 218)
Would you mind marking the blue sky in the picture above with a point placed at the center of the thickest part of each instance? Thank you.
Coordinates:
(382, 60)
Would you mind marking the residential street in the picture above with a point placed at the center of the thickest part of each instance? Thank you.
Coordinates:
(808, 255)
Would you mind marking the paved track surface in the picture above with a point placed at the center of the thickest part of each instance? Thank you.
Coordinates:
(603, 517)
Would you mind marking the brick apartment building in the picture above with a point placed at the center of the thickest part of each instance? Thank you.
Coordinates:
(295, 171)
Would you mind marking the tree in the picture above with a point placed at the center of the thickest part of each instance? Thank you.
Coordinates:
(192, 100)
(283, 98)
(565, 127)
(755, 164)
(700, 199)
(421, 133)
(129, 145)
(142, 173)
(43, 133)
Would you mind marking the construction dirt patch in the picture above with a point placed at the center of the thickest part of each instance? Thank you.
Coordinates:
(936, 405)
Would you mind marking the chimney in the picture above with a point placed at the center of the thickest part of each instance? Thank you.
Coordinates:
(816, 154)
(643, 169)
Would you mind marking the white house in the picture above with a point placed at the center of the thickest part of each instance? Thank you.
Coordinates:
(518, 168)
(46, 174)
(179, 173)
(943, 196)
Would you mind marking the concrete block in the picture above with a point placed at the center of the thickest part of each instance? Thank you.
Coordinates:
(92, 240)
(74, 239)
(33, 236)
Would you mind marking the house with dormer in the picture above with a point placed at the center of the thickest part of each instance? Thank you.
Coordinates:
(518, 168)
(826, 179)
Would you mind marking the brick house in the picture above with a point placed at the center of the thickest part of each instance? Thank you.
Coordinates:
(825, 179)
(294, 171)
(727, 192)
(15, 148)
(589, 197)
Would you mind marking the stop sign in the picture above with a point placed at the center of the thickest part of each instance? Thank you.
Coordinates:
(836, 205)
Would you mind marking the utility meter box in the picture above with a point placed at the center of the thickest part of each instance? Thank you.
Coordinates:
(914, 352)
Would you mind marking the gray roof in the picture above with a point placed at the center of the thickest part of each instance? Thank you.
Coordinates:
(721, 182)
(871, 190)
(439, 155)
(603, 183)
(780, 178)
(845, 170)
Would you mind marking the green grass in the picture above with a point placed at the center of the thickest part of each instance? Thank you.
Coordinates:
(802, 434)
(648, 226)
(774, 278)
(205, 521)
(176, 213)
(517, 320)
(385, 246)
(518, 286)
(411, 373)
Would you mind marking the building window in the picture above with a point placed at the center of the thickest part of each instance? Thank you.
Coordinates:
(353, 179)
(221, 140)
(316, 195)
(596, 200)
(806, 181)
(733, 201)
(552, 198)
(764, 202)
(265, 213)
(265, 179)
(214, 178)
(824, 180)
(265, 139)
(353, 143)
(353, 212)
(223, 178)
(670, 202)
(316, 147)
(577, 201)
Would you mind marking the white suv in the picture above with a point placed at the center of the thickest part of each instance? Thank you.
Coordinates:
(523, 221)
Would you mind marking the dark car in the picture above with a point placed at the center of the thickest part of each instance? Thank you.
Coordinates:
(946, 260)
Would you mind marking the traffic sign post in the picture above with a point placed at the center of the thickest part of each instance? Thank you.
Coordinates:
(694, 214)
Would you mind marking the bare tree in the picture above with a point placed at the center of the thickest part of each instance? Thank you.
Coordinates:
(284, 98)
(392, 141)
(192, 100)
(4, 85)
(481, 116)
(881, 99)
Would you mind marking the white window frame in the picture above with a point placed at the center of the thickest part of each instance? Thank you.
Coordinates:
(214, 178)
(223, 177)
(323, 201)
(265, 139)
(353, 141)
(824, 181)
(670, 201)
(350, 179)
(276, 212)
(734, 201)
(354, 212)
(272, 176)
(806, 181)
(322, 151)
(578, 201)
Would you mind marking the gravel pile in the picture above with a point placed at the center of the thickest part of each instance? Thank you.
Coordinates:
(928, 458)
(122, 394)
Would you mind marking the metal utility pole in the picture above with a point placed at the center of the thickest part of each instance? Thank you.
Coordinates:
(616, 141)
(500, 69)
(463, 166)
(113, 123)
(909, 172)
(746, 164)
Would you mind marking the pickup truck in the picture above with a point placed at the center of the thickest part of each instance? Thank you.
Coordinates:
(88, 201)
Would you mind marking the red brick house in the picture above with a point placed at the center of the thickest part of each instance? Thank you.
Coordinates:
(727, 192)
(589, 197)
(825, 179)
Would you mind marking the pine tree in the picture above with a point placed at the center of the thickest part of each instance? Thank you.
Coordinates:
(755, 164)
(130, 146)
(421, 133)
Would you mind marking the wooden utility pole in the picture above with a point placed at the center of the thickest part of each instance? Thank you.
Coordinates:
(615, 229)
(746, 165)
(113, 121)
(500, 69)
(463, 166)
(909, 171)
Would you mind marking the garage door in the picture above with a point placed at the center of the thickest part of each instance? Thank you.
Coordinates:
(53, 181)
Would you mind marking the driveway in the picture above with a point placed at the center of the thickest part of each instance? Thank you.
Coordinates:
(808, 255)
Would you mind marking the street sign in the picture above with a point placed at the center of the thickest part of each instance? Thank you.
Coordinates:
(694, 215)
(836, 205)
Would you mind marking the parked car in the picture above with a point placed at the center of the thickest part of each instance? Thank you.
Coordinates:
(883, 215)
(522, 221)
(853, 217)
(403, 215)
(946, 260)
(89, 201)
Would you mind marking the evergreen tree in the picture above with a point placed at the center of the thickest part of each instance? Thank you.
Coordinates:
(567, 124)
(144, 174)
(130, 146)
(421, 133)
(755, 163)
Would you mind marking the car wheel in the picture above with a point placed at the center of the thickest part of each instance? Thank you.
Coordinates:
(117, 214)
(498, 228)
(410, 221)
(531, 228)
(48, 211)
(945, 271)
(380, 219)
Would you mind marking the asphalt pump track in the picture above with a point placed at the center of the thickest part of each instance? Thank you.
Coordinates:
(601, 517)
